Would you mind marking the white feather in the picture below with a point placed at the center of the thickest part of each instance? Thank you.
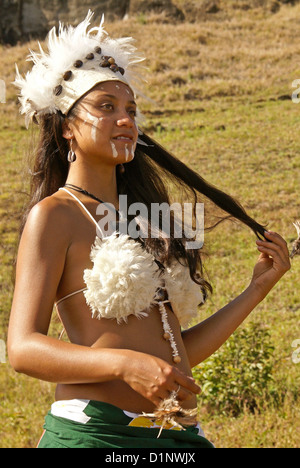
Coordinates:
(297, 227)
(65, 48)
(123, 280)
(184, 294)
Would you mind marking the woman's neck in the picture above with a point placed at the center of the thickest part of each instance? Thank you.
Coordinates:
(101, 182)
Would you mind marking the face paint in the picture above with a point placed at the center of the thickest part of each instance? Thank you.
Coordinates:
(95, 121)
(133, 148)
(126, 152)
(114, 150)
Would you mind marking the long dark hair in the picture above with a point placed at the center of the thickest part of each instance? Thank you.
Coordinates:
(147, 179)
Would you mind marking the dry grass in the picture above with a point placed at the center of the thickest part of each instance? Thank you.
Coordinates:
(216, 87)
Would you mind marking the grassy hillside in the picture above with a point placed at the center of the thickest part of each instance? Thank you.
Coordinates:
(221, 102)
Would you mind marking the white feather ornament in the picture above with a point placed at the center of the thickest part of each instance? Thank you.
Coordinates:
(44, 89)
(123, 280)
(184, 294)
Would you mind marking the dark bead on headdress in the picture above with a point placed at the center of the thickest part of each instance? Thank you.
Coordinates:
(67, 75)
(78, 64)
(114, 68)
(98, 50)
(90, 56)
(58, 90)
(104, 63)
(122, 71)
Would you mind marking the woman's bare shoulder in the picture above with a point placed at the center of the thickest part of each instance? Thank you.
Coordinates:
(53, 215)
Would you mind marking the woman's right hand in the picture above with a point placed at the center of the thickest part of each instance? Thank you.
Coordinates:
(155, 379)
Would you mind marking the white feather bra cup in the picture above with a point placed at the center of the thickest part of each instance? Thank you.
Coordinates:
(184, 294)
(125, 279)
(78, 59)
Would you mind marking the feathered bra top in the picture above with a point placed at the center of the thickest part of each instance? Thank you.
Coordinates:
(126, 280)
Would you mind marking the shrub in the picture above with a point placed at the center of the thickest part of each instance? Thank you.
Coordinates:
(239, 374)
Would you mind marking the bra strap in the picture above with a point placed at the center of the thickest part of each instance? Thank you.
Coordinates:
(70, 295)
(84, 207)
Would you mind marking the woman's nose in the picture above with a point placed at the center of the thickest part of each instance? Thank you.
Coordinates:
(125, 119)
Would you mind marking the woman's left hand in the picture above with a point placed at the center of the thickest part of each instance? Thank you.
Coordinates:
(273, 262)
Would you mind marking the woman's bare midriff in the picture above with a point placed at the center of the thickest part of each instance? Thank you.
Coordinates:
(141, 335)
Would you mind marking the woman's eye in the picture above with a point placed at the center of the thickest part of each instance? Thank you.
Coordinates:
(132, 112)
(107, 106)
(110, 107)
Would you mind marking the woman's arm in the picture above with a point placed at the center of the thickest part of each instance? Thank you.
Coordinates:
(204, 339)
(41, 260)
(40, 265)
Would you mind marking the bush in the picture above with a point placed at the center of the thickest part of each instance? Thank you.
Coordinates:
(239, 374)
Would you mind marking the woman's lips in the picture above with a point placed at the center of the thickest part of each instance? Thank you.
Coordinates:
(127, 139)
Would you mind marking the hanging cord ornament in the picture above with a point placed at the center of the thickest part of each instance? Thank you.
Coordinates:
(71, 154)
(168, 334)
(169, 412)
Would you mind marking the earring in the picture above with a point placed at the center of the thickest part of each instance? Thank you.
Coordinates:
(122, 169)
(71, 154)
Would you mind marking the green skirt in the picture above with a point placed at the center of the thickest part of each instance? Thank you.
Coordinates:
(94, 424)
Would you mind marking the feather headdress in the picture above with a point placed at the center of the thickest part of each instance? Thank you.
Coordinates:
(78, 59)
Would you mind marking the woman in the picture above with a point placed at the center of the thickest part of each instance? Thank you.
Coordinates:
(125, 379)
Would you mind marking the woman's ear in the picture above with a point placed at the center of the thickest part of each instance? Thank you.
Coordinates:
(67, 131)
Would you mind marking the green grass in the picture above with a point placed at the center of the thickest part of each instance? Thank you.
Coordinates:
(241, 137)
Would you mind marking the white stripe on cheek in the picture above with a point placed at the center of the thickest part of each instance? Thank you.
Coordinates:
(95, 121)
(114, 150)
(133, 148)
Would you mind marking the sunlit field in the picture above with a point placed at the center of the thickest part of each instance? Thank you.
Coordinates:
(220, 100)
